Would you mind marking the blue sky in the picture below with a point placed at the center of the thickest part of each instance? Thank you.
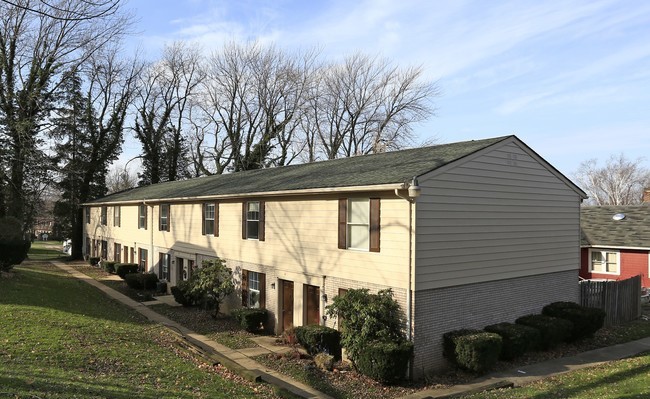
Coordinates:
(569, 78)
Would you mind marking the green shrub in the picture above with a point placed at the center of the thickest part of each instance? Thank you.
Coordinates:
(252, 320)
(134, 281)
(473, 350)
(517, 339)
(182, 294)
(140, 281)
(212, 283)
(13, 245)
(449, 342)
(386, 362)
(109, 266)
(94, 260)
(13, 252)
(366, 318)
(122, 269)
(586, 321)
(316, 339)
(553, 330)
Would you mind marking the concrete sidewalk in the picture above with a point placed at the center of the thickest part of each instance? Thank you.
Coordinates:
(538, 371)
(238, 361)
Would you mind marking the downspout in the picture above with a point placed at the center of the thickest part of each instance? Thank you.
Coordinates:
(414, 191)
(151, 257)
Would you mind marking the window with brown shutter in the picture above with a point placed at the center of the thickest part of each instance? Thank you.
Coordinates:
(253, 220)
(244, 288)
(343, 223)
(375, 216)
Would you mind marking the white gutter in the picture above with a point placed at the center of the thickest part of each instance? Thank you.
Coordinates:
(599, 246)
(308, 191)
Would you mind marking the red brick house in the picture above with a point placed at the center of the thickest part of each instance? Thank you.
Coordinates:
(615, 242)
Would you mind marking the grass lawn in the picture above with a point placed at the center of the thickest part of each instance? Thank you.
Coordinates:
(61, 338)
(46, 250)
(628, 378)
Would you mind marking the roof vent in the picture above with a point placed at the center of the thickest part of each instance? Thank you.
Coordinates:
(619, 216)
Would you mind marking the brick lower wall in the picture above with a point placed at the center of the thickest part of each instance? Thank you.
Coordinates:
(438, 311)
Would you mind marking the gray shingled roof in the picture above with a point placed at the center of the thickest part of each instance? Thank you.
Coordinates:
(599, 229)
(385, 168)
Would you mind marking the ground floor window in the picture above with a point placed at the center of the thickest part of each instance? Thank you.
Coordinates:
(185, 268)
(163, 272)
(143, 261)
(117, 252)
(253, 289)
(604, 261)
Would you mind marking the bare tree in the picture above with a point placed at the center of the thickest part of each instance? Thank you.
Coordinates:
(166, 90)
(619, 182)
(39, 44)
(252, 102)
(120, 179)
(365, 105)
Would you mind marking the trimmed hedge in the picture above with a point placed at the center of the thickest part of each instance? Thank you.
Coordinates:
(109, 266)
(386, 362)
(122, 269)
(473, 350)
(517, 339)
(449, 342)
(94, 260)
(182, 295)
(316, 339)
(586, 321)
(553, 330)
(140, 281)
(252, 320)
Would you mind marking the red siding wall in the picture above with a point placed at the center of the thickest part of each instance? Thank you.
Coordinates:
(633, 263)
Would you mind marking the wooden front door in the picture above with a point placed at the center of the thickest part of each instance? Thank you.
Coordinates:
(311, 304)
(287, 304)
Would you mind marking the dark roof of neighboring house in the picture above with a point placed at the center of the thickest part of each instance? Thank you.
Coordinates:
(366, 170)
(600, 229)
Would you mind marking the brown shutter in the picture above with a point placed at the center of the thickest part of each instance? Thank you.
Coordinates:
(343, 223)
(244, 288)
(260, 234)
(169, 216)
(216, 219)
(375, 214)
(145, 216)
(203, 219)
(243, 219)
(160, 207)
(262, 290)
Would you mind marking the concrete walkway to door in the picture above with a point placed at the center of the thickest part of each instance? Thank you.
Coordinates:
(237, 360)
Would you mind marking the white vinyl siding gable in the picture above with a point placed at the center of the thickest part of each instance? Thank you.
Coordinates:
(499, 214)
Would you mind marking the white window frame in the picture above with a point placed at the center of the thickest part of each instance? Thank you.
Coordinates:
(104, 215)
(605, 251)
(254, 280)
(250, 220)
(350, 224)
(117, 216)
(165, 218)
(210, 216)
(142, 216)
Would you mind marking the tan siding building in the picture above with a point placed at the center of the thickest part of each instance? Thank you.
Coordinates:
(494, 235)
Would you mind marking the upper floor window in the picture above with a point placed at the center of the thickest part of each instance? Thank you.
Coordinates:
(603, 261)
(253, 220)
(142, 216)
(87, 210)
(163, 223)
(104, 215)
(359, 222)
(210, 213)
(116, 215)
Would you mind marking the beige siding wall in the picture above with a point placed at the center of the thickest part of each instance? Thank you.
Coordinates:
(301, 244)
(499, 215)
